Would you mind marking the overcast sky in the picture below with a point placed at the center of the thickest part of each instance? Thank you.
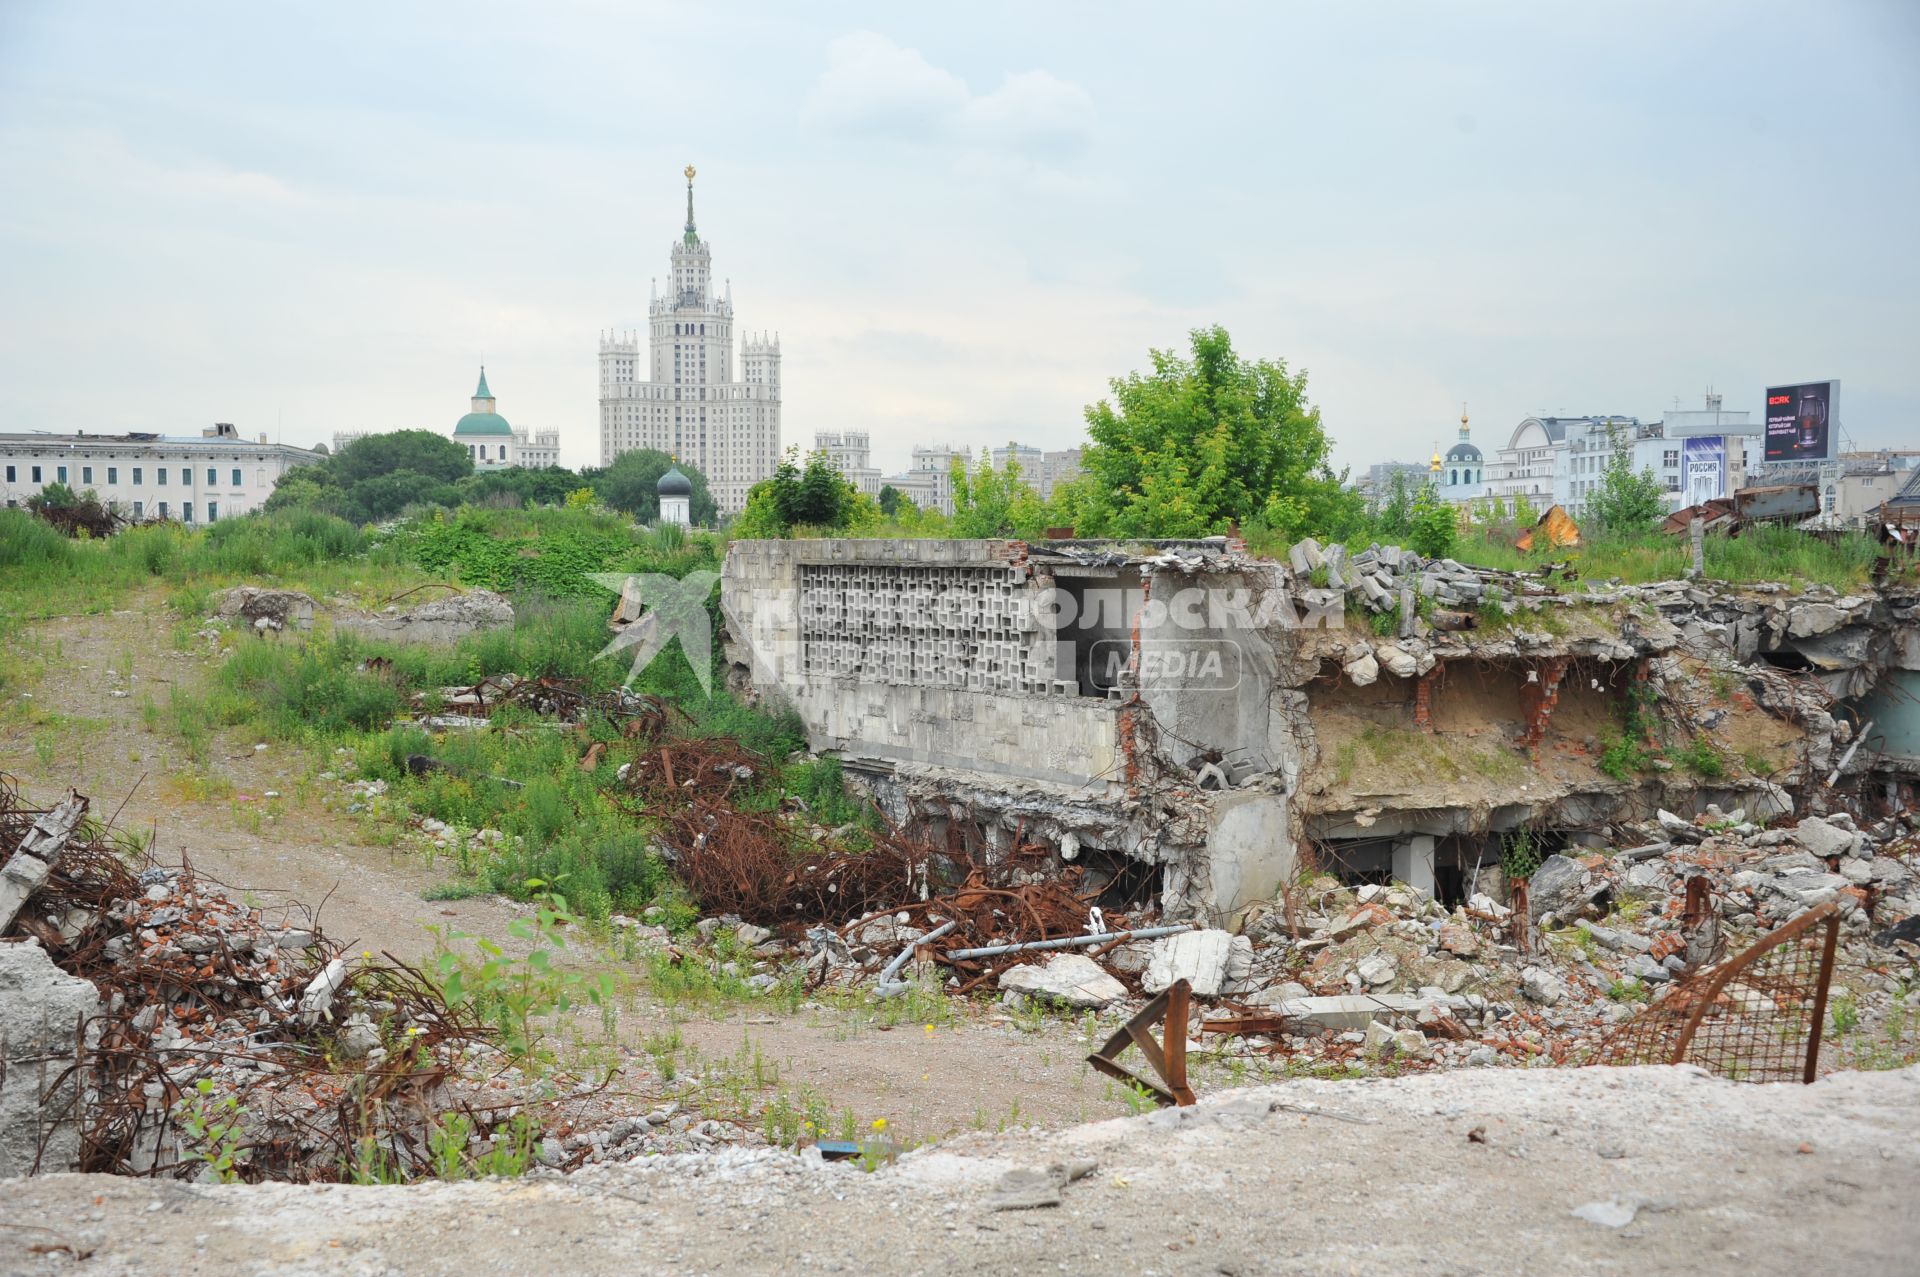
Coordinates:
(962, 220)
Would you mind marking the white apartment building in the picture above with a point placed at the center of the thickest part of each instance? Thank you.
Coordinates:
(150, 476)
(1563, 460)
(849, 452)
(682, 394)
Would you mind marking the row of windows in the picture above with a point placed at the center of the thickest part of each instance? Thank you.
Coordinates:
(160, 510)
(113, 475)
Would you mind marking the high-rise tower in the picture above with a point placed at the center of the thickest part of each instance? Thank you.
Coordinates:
(689, 400)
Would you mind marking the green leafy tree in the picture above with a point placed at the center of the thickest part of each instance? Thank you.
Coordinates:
(824, 499)
(632, 485)
(518, 486)
(1625, 502)
(1433, 524)
(384, 496)
(1393, 518)
(55, 496)
(990, 503)
(891, 499)
(421, 451)
(1203, 442)
(816, 496)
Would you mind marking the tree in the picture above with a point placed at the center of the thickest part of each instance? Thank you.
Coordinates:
(55, 496)
(891, 499)
(1625, 501)
(518, 486)
(995, 504)
(823, 499)
(421, 451)
(1205, 442)
(1394, 517)
(1433, 524)
(817, 496)
(384, 496)
(632, 485)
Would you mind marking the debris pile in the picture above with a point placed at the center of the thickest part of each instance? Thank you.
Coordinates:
(1383, 574)
(220, 1042)
(564, 699)
(1355, 975)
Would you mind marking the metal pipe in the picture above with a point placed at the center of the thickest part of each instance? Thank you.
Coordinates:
(885, 987)
(1069, 942)
(1848, 756)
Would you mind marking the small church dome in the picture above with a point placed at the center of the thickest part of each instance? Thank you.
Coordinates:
(674, 484)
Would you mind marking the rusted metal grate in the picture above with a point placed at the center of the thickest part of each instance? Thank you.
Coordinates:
(1755, 1018)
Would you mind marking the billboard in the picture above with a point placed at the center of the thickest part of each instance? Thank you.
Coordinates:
(1703, 469)
(1803, 422)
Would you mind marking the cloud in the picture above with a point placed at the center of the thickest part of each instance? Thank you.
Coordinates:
(1034, 112)
(873, 86)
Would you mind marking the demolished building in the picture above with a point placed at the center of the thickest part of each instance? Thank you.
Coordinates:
(1191, 724)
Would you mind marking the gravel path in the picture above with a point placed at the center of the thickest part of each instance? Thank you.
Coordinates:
(1672, 1172)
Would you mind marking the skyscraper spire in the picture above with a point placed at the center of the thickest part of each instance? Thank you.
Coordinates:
(692, 235)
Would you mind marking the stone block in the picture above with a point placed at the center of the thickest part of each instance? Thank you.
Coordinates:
(42, 1009)
(1198, 957)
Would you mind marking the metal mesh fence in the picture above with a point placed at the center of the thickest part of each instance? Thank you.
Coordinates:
(1755, 1018)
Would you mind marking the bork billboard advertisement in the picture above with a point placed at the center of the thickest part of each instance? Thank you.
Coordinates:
(1803, 421)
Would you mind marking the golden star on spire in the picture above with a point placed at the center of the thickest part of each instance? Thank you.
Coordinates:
(689, 172)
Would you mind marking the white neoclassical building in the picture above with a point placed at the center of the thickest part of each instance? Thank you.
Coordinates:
(681, 392)
(152, 476)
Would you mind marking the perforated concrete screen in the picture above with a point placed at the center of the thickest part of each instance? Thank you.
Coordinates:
(926, 626)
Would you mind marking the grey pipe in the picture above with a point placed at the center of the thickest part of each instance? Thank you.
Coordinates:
(1848, 756)
(1069, 942)
(886, 987)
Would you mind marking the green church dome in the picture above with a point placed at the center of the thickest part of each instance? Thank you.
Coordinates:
(481, 423)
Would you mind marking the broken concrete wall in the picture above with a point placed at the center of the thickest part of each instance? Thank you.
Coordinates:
(440, 621)
(1202, 712)
(911, 652)
(940, 671)
(43, 1014)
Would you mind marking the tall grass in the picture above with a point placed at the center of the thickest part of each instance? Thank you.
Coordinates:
(45, 574)
(1787, 555)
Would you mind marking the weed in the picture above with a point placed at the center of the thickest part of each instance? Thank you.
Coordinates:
(1702, 759)
(512, 992)
(1520, 854)
(1844, 1012)
(214, 1131)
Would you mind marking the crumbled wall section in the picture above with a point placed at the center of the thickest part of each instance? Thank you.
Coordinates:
(925, 667)
(912, 653)
(43, 1012)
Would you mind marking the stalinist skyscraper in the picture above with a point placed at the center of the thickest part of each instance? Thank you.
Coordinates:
(688, 399)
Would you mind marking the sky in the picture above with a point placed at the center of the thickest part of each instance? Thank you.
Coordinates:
(962, 221)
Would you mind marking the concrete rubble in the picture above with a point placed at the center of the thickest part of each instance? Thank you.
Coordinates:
(44, 1026)
(439, 621)
(153, 1024)
(1360, 975)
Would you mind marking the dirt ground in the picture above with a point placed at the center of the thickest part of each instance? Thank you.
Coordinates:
(981, 1073)
(1601, 1171)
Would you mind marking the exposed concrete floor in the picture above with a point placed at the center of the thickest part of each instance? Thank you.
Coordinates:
(1719, 1177)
